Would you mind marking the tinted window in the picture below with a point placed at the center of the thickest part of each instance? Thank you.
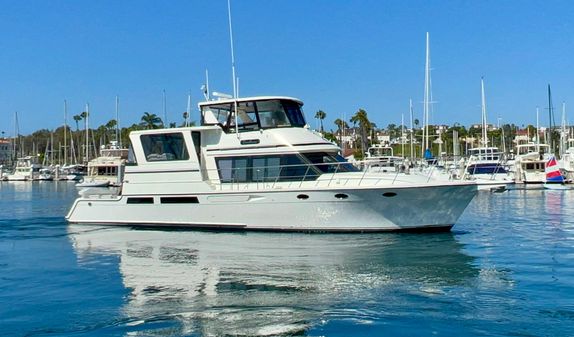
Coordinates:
(328, 163)
(265, 169)
(164, 147)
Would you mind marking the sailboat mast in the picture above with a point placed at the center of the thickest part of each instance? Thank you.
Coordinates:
(65, 132)
(550, 120)
(483, 105)
(403, 135)
(234, 78)
(87, 133)
(412, 130)
(118, 138)
(164, 110)
(537, 129)
(426, 96)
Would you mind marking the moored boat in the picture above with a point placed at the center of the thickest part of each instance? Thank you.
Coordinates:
(263, 169)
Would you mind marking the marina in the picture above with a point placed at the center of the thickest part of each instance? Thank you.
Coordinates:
(343, 187)
(503, 270)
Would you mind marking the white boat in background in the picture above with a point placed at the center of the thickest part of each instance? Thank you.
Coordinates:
(566, 162)
(263, 169)
(72, 172)
(530, 163)
(107, 169)
(380, 158)
(46, 174)
(27, 168)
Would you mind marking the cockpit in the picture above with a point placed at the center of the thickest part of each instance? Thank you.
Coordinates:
(253, 114)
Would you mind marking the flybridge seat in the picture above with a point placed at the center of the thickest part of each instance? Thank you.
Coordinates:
(253, 113)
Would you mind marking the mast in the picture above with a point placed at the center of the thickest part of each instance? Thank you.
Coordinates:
(412, 155)
(403, 135)
(65, 132)
(234, 79)
(118, 136)
(87, 153)
(483, 105)
(537, 129)
(16, 137)
(165, 125)
(188, 109)
(551, 122)
(426, 97)
(563, 132)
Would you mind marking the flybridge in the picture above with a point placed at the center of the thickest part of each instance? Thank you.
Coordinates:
(253, 113)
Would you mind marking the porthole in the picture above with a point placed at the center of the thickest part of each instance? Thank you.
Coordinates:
(389, 194)
(303, 197)
(341, 196)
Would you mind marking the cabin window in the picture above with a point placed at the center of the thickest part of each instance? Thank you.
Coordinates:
(327, 163)
(164, 147)
(264, 169)
(196, 137)
(107, 170)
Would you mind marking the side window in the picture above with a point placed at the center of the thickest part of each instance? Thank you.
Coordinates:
(265, 168)
(196, 137)
(164, 147)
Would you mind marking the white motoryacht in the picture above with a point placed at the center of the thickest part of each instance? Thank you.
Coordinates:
(27, 168)
(263, 169)
(530, 163)
(566, 162)
(380, 158)
(107, 169)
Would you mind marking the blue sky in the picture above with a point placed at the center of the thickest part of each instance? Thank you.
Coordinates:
(337, 56)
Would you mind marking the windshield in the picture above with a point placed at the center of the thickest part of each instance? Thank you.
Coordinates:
(254, 115)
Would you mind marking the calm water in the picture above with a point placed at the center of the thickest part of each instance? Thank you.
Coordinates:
(506, 269)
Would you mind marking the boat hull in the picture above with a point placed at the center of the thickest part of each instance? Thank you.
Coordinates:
(425, 208)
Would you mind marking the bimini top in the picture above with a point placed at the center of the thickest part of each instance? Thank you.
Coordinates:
(253, 113)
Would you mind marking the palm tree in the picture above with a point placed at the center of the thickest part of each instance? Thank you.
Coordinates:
(341, 125)
(77, 119)
(320, 115)
(365, 125)
(151, 121)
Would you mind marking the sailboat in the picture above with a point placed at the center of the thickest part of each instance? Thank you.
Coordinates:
(486, 162)
(554, 178)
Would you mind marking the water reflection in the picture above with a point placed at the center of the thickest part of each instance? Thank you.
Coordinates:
(264, 284)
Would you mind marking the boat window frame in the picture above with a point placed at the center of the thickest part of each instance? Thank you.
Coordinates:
(154, 150)
(228, 165)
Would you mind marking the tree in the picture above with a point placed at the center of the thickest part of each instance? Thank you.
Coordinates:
(150, 121)
(360, 117)
(320, 115)
(77, 119)
(341, 125)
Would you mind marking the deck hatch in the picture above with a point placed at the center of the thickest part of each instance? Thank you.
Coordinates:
(179, 200)
(140, 200)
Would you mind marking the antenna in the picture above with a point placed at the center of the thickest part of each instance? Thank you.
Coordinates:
(233, 66)
(205, 87)
(188, 109)
(164, 111)
(483, 105)
(118, 138)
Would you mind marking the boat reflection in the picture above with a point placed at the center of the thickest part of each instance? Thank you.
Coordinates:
(265, 283)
